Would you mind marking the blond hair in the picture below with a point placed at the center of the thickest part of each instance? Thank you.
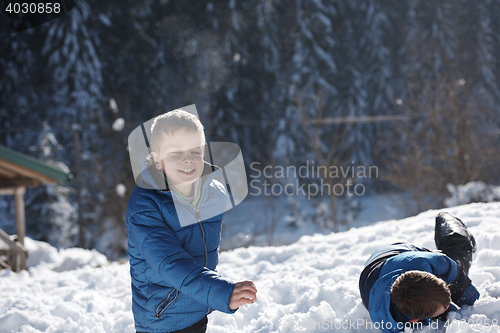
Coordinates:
(170, 123)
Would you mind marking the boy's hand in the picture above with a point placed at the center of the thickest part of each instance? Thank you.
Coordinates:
(243, 293)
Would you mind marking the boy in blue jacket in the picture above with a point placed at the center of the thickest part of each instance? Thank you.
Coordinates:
(404, 284)
(174, 219)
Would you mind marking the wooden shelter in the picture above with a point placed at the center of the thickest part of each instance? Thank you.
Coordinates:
(18, 171)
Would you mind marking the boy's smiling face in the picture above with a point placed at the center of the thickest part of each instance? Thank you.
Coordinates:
(180, 154)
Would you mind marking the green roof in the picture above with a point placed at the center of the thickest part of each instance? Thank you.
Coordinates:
(36, 165)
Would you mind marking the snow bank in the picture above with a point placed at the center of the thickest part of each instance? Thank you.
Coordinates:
(71, 290)
(44, 256)
(315, 281)
(477, 191)
(312, 282)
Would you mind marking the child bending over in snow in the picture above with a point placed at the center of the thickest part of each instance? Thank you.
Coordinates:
(174, 234)
(403, 283)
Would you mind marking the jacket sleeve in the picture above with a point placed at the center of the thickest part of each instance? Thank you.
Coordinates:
(163, 252)
(461, 288)
(443, 267)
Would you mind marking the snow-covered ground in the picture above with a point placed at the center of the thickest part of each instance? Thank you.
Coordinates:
(251, 221)
(309, 283)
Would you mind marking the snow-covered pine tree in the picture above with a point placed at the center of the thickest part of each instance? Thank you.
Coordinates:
(75, 71)
(340, 59)
(50, 216)
(247, 107)
(23, 107)
(21, 97)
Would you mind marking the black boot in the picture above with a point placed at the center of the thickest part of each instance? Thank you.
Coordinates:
(454, 239)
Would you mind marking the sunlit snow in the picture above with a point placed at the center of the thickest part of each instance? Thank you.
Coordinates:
(314, 280)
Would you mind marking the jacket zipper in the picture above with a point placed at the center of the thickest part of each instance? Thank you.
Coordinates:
(203, 236)
(204, 242)
(165, 300)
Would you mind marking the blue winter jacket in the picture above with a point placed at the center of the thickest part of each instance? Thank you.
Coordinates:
(174, 281)
(389, 262)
